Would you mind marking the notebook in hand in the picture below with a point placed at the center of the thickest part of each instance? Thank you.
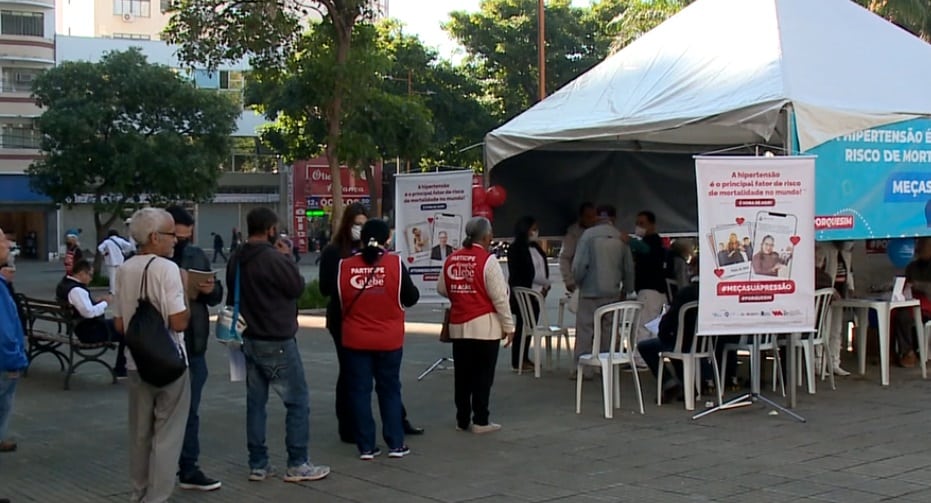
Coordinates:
(194, 278)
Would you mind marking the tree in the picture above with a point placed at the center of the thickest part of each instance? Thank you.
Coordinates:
(267, 31)
(375, 123)
(454, 97)
(911, 15)
(501, 41)
(127, 131)
(641, 16)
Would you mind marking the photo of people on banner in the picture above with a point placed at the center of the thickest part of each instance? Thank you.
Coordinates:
(757, 261)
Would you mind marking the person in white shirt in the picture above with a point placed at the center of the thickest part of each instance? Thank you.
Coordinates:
(157, 415)
(114, 248)
(92, 327)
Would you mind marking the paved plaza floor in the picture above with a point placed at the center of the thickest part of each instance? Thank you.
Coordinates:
(862, 442)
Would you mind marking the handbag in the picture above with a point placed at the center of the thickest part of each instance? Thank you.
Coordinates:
(159, 358)
(227, 331)
(444, 331)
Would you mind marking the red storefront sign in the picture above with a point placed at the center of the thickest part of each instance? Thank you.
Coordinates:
(312, 187)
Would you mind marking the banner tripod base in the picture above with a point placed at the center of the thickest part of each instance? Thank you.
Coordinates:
(749, 399)
(436, 365)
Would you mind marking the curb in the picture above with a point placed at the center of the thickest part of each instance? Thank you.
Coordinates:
(312, 312)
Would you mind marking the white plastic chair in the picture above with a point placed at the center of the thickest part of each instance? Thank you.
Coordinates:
(700, 349)
(537, 328)
(809, 342)
(672, 288)
(923, 337)
(625, 318)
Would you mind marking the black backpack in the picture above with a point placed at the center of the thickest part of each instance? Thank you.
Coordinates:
(159, 359)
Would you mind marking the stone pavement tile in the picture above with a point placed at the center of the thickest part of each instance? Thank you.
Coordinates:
(887, 487)
(843, 495)
(893, 466)
(830, 463)
(800, 488)
(919, 476)
(922, 496)
(763, 496)
(526, 490)
(633, 492)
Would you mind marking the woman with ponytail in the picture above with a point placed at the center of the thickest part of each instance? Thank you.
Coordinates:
(374, 288)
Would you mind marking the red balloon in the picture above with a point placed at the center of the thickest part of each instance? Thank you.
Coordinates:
(478, 196)
(483, 211)
(495, 196)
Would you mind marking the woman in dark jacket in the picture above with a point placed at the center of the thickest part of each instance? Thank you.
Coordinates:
(527, 268)
(345, 243)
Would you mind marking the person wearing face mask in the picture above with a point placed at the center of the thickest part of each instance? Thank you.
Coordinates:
(270, 286)
(649, 272)
(209, 293)
(346, 243)
(527, 268)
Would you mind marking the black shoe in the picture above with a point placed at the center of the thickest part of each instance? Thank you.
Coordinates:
(197, 481)
(4, 500)
(410, 429)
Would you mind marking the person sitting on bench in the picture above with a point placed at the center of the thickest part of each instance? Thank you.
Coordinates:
(91, 326)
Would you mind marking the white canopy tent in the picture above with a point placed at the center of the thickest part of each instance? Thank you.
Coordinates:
(723, 73)
(719, 72)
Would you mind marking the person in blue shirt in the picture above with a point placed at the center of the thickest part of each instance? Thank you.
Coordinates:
(12, 352)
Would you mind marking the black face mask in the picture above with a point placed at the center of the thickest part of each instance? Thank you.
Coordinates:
(273, 237)
(179, 249)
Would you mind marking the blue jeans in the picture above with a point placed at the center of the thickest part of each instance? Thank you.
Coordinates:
(385, 368)
(190, 451)
(7, 392)
(276, 364)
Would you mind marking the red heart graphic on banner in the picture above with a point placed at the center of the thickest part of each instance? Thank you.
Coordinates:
(430, 220)
(795, 240)
(719, 272)
(740, 220)
(410, 260)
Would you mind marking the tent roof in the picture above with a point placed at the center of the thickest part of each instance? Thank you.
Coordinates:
(720, 71)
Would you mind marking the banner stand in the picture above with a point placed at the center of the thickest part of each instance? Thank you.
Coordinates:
(436, 365)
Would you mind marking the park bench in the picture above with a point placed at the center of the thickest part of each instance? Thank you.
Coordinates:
(50, 329)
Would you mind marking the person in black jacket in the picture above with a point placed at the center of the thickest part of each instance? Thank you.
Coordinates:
(196, 336)
(527, 268)
(345, 243)
(271, 285)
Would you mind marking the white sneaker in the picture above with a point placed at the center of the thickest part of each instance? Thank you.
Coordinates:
(480, 429)
(838, 371)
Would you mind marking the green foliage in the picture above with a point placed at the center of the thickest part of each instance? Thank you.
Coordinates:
(501, 40)
(99, 281)
(312, 298)
(125, 130)
(641, 16)
(911, 15)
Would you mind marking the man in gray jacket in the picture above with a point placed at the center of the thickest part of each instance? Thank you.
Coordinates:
(210, 293)
(603, 269)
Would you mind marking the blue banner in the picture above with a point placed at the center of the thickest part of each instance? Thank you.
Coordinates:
(875, 183)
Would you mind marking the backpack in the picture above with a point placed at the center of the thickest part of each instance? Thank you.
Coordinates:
(159, 359)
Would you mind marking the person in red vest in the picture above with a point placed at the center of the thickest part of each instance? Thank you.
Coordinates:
(479, 317)
(374, 288)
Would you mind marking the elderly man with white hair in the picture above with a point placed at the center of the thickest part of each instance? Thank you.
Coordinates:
(157, 415)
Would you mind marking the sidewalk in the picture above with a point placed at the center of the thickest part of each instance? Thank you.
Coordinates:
(862, 442)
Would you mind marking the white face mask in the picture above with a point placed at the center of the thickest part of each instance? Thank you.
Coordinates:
(640, 231)
(534, 235)
(356, 232)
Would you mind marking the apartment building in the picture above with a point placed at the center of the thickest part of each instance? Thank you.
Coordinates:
(27, 47)
(120, 19)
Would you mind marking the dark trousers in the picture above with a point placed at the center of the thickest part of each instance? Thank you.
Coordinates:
(219, 251)
(384, 368)
(94, 333)
(903, 330)
(516, 358)
(649, 350)
(190, 450)
(474, 375)
(344, 410)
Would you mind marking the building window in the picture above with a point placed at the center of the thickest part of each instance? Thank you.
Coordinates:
(30, 24)
(18, 80)
(132, 36)
(231, 79)
(16, 136)
(140, 8)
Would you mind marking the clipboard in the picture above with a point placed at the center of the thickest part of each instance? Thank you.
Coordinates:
(194, 278)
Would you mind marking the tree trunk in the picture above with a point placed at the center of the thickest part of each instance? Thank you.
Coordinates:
(374, 187)
(334, 125)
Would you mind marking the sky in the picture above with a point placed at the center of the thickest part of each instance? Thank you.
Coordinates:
(424, 17)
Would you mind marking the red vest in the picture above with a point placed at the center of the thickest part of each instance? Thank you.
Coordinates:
(464, 274)
(375, 319)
